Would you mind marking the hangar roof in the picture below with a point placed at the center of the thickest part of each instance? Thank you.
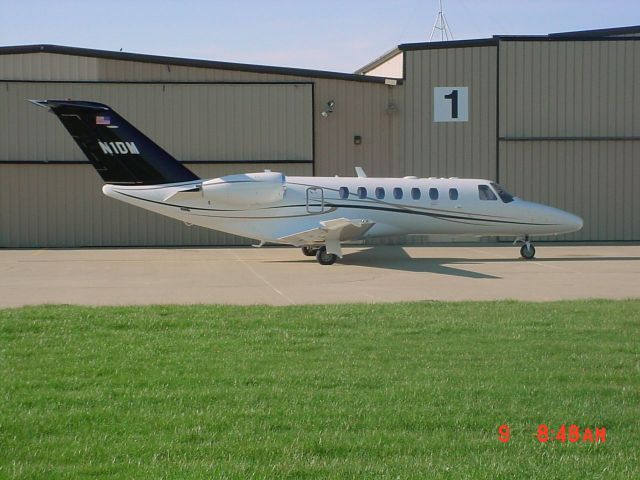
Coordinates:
(599, 34)
(186, 62)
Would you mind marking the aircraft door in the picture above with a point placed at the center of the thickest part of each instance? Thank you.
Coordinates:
(315, 200)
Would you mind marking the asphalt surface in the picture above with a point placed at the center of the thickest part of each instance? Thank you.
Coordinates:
(283, 276)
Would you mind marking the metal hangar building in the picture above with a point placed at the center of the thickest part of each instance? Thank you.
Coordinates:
(554, 118)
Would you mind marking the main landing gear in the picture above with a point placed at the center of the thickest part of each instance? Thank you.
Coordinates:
(321, 255)
(309, 251)
(325, 258)
(527, 250)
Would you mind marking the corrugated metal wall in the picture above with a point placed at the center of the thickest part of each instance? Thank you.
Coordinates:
(450, 149)
(48, 66)
(583, 88)
(596, 180)
(456, 149)
(62, 205)
(194, 122)
(567, 113)
(570, 130)
(361, 108)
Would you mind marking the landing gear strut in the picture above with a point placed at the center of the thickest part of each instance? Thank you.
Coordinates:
(527, 250)
(309, 251)
(325, 258)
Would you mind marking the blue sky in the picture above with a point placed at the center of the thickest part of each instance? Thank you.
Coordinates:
(326, 35)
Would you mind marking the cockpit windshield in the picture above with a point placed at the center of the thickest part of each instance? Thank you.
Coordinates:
(505, 196)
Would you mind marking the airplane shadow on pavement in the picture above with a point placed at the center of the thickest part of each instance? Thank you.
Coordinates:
(396, 258)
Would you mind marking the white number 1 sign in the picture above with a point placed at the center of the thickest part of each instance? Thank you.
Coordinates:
(450, 104)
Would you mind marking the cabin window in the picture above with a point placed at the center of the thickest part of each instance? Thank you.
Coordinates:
(505, 196)
(362, 192)
(453, 194)
(343, 192)
(415, 193)
(433, 193)
(397, 193)
(380, 193)
(486, 193)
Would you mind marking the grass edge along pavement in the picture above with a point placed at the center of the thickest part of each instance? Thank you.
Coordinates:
(409, 390)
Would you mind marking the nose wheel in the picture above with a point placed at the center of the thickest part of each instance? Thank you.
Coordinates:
(527, 250)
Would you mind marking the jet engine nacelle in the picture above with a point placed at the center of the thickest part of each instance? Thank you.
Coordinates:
(246, 189)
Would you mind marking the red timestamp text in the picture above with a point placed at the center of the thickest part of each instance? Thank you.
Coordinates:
(571, 434)
(563, 434)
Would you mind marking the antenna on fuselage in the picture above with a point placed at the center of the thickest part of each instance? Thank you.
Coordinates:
(360, 172)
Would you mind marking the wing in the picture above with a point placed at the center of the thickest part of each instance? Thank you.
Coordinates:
(331, 233)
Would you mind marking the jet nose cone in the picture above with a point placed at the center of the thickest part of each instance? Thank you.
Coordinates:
(578, 223)
(571, 222)
(550, 220)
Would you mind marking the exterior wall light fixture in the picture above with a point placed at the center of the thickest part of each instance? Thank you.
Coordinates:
(329, 108)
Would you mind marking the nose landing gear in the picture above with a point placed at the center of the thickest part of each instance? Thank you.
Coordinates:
(527, 250)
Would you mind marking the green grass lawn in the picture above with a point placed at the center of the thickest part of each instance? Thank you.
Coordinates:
(413, 390)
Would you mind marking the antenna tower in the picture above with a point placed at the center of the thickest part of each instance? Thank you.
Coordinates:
(442, 25)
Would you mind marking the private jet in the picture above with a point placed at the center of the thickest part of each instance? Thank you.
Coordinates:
(317, 214)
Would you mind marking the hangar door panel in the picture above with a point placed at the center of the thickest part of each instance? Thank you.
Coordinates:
(262, 122)
(229, 128)
(593, 179)
(63, 206)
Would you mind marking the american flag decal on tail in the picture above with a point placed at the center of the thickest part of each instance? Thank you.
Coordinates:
(100, 120)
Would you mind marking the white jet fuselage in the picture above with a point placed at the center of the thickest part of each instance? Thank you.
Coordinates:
(316, 213)
(272, 208)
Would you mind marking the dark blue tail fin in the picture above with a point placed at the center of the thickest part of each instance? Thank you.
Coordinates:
(119, 152)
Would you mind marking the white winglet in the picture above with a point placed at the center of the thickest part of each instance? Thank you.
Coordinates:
(360, 172)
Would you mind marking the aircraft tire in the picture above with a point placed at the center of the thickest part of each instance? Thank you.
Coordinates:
(528, 251)
(309, 251)
(325, 258)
